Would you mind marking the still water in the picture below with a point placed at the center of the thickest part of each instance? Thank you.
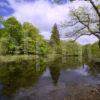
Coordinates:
(59, 78)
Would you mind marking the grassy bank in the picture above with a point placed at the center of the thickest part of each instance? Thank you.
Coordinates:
(16, 58)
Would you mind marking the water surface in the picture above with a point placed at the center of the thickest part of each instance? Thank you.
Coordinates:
(59, 78)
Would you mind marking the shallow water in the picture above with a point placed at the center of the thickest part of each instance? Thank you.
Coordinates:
(59, 78)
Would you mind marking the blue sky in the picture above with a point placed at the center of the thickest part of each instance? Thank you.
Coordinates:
(5, 9)
(41, 13)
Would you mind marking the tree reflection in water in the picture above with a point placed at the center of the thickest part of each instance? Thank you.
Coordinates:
(14, 75)
(23, 75)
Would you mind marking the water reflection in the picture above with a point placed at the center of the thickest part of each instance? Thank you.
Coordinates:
(14, 75)
(94, 68)
(62, 63)
(55, 70)
(67, 70)
(83, 70)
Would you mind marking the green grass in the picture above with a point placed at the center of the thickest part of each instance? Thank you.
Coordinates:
(16, 58)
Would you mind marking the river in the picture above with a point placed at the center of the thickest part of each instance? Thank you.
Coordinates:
(59, 78)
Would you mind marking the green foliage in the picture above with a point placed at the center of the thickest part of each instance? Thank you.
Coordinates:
(3, 33)
(33, 42)
(21, 39)
(21, 74)
(95, 50)
(82, 22)
(3, 46)
(30, 30)
(91, 51)
(55, 38)
(71, 48)
(98, 6)
(86, 51)
(1, 19)
(14, 29)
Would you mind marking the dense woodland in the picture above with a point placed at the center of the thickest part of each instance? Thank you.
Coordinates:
(62, 67)
(17, 38)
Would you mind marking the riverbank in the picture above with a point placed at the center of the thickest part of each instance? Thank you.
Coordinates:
(16, 58)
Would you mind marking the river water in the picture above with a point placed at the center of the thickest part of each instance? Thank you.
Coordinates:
(59, 78)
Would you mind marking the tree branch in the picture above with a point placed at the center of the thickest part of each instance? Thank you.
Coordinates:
(96, 9)
(76, 32)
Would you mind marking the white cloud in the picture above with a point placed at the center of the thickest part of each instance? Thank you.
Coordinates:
(42, 14)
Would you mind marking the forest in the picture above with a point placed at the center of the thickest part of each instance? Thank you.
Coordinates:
(65, 66)
(25, 39)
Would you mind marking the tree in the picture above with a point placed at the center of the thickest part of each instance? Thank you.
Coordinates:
(71, 48)
(55, 38)
(33, 42)
(21, 39)
(14, 29)
(85, 21)
(95, 51)
(29, 41)
(30, 30)
(1, 19)
(14, 34)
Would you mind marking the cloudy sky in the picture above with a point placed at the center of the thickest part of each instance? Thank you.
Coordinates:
(41, 13)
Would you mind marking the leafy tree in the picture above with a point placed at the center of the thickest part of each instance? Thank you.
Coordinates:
(14, 29)
(95, 51)
(29, 41)
(1, 20)
(21, 39)
(2, 30)
(92, 52)
(86, 51)
(55, 38)
(14, 35)
(85, 22)
(3, 45)
(3, 33)
(71, 48)
(30, 30)
(33, 42)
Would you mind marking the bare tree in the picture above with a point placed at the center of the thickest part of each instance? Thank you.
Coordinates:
(84, 21)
